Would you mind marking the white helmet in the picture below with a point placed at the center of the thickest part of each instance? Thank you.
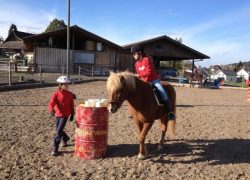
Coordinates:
(63, 80)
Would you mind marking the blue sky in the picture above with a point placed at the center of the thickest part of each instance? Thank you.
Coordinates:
(218, 28)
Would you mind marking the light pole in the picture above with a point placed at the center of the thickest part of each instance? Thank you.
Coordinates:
(68, 40)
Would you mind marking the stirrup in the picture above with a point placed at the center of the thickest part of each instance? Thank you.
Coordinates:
(171, 116)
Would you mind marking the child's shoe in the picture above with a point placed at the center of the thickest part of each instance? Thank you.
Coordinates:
(65, 142)
(54, 152)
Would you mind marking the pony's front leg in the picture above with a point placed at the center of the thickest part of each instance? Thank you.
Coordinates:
(143, 153)
(139, 126)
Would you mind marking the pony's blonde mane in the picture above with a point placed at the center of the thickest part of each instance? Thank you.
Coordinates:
(114, 81)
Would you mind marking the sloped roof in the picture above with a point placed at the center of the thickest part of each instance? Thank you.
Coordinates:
(247, 69)
(229, 72)
(74, 28)
(19, 34)
(196, 54)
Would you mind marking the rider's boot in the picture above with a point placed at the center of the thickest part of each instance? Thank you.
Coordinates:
(166, 107)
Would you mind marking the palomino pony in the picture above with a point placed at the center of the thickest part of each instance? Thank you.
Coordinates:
(191, 77)
(143, 106)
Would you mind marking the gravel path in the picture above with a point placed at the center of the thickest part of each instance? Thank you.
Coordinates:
(212, 141)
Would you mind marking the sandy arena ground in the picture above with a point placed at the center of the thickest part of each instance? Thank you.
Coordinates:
(212, 141)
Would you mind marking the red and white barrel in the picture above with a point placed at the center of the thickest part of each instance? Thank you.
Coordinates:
(91, 137)
(248, 90)
(248, 94)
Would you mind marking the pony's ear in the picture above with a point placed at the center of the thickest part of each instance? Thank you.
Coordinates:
(111, 73)
(127, 71)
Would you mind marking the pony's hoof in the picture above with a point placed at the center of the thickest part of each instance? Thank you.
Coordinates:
(141, 156)
(160, 147)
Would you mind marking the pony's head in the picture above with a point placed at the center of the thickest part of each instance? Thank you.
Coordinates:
(119, 87)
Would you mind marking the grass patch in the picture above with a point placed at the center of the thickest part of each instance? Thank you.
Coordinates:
(236, 84)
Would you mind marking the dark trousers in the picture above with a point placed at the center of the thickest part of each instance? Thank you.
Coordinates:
(60, 134)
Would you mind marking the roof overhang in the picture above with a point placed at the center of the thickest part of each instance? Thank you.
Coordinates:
(75, 29)
(190, 54)
(13, 45)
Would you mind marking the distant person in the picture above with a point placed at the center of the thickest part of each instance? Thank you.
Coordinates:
(205, 83)
(146, 71)
(200, 71)
(195, 71)
(61, 106)
(217, 83)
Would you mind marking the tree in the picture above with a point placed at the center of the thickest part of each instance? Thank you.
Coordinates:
(166, 64)
(178, 65)
(55, 24)
(239, 65)
(1, 40)
(187, 64)
(12, 28)
(179, 40)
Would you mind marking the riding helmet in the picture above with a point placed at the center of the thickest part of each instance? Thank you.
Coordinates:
(137, 48)
(63, 80)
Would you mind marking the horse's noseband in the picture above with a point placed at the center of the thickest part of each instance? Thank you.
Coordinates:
(118, 103)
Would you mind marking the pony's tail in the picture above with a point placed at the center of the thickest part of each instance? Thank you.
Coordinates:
(171, 125)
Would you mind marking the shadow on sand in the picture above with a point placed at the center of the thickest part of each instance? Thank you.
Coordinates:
(209, 105)
(21, 105)
(61, 153)
(217, 152)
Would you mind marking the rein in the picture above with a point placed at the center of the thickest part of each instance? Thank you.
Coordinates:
(109, 102)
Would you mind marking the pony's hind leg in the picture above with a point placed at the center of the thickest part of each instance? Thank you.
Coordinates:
(163, 134)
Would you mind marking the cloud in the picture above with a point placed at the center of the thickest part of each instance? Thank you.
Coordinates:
(223, 38)
(228, 21)
(26, 18)
(223, 52)
(48, 15)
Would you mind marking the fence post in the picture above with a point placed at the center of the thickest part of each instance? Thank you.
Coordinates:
(92, 73)
(40, 73)
(79, 73)
(9, 73)
(62, 70)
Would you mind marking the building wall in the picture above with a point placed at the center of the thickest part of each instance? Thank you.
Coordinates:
(231, 79)
(52, 59)
(227, 78)
(106, 57)
(242, 73)
(125, 62)
(29, 46)
(55, 60)
(219, 74)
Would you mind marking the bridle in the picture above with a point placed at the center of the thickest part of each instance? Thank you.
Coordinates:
(118, 103)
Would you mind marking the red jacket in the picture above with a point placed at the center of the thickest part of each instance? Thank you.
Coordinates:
(62, 103)
(145, 69)
(196, 71)
(248, 82)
